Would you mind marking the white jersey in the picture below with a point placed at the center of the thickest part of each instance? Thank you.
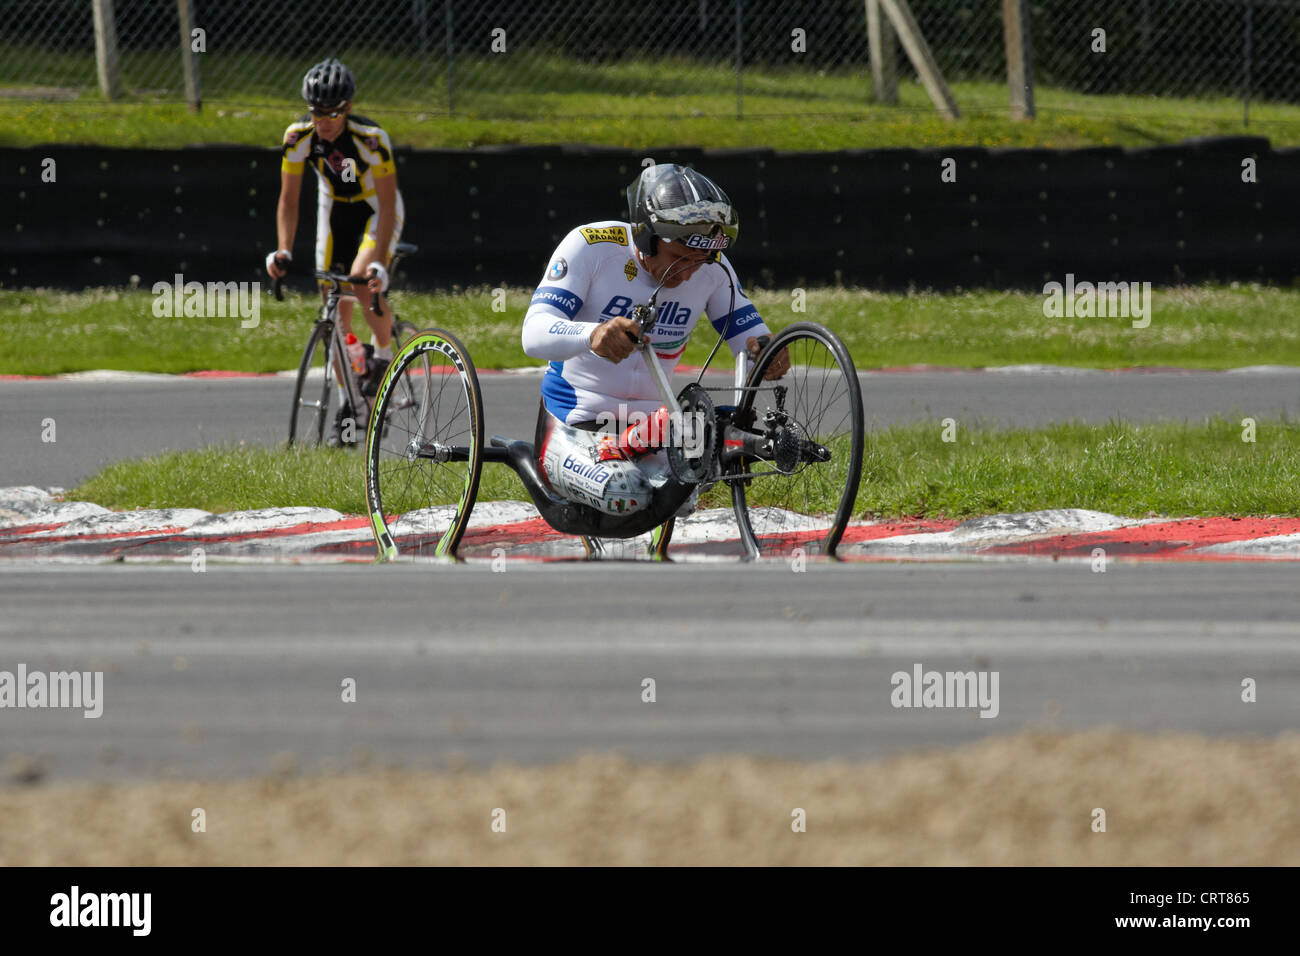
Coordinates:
(594, 276)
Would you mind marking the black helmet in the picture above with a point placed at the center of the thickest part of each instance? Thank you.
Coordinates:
(328, 83)
(672, 202)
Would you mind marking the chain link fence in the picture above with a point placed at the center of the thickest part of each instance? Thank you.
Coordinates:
(606, 58)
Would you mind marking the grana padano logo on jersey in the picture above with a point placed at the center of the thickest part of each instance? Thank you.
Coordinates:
(594, 235)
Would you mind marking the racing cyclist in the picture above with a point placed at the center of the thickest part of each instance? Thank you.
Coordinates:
(680, 222)
(359, 210)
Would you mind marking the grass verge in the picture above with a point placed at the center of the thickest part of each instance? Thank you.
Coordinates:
(908, 471)
(612, 106)
(1022, 800)
(49, 332)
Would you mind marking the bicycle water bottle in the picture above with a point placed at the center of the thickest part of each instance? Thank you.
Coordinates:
(356, 354)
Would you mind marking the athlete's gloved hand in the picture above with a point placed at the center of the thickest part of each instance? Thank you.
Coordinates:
(378, 278)
(615, 339)
(780, 362)
(273, 268)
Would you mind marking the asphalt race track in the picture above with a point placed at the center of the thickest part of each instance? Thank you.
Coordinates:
(237, 670)
(101, 422)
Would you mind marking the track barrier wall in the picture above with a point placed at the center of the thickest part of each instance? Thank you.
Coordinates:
(884, 218)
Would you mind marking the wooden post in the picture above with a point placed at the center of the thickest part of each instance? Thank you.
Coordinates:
(740, 60)
(881, 42)
(451, 62)
(107, 62)
(1020, 61)
(189, 59)
(918, 51)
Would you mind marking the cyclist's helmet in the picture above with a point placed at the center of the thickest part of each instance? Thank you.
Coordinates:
(328, 84)
(673, 202)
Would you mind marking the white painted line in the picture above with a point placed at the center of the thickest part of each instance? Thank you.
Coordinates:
(911, 639)
(265, 519)
(125, 522)
(996, 529)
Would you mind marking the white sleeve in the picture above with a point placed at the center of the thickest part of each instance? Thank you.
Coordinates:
(551, 330)
(554, 339)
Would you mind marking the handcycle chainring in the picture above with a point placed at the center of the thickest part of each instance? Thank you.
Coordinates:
(693, 437)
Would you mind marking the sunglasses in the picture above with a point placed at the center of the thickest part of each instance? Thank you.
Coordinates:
(332, 113)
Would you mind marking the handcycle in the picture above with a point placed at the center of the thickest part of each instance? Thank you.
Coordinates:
(784, 448)
(325, 355)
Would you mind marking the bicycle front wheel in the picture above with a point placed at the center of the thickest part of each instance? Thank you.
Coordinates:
(313, 390)
(424, 448)
(804, 497)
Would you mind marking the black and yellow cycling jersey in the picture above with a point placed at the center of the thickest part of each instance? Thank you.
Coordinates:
(347, 213)
(363, 145)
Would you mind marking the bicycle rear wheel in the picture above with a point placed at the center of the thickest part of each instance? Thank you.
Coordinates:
(424, 448)
(804, 496)
(403, 332)
(313, 391)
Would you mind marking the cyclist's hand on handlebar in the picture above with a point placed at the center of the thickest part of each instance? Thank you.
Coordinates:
(276, 262)
(780, 362)
(615, 339)
(378, 278)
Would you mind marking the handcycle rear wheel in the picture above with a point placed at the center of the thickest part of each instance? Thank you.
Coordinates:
(424, 448)
(788, 503)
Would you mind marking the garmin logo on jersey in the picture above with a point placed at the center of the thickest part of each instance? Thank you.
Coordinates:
(668, 313)
(562, 299)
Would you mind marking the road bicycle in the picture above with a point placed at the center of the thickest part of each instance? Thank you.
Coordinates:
(324, 364)
(789, 449)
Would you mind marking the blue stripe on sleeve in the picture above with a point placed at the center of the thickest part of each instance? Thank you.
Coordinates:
(741, 319)
(557, 298)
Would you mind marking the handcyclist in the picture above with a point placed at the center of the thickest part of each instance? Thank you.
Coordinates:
(359, 210)
(679, 224)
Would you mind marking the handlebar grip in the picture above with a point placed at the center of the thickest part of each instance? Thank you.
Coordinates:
(374, 304)
(276, 287)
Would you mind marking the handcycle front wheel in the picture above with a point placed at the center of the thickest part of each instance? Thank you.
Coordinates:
(424, 448)
(814, 413)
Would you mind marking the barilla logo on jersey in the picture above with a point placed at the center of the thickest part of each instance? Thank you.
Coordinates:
(592, 473)
(594, 235)
(696, 241)
(668, 313)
